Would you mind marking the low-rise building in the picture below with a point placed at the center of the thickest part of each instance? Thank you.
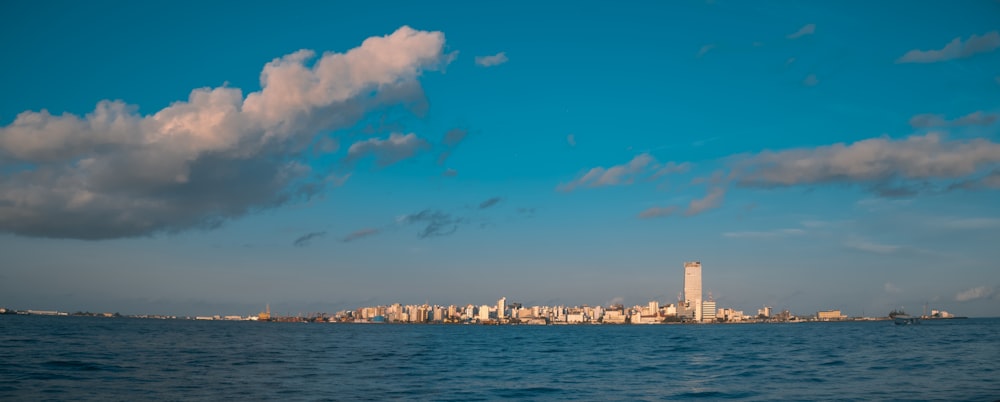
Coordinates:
(830, 315)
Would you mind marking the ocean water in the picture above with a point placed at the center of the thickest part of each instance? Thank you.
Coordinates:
(83, 358)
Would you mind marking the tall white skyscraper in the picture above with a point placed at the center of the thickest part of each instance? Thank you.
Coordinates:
(501, 308)
(692, 288)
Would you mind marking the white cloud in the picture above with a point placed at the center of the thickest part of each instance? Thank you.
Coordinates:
(892, 288)
(955, 49)
(490, 61)
(388, 151)
(977, 293)
(883, 163)
(810, 80)
(217, 155)
(807, 29)
(571, 140)
(612, 176)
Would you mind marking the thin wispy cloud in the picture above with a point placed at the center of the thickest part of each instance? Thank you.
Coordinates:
(642, 165)
(882, 204)
(872, 247)
(490, 202)
(360, 234)
(435, 223)
(969, 223)
(655, 212)
(451, 140)
(889, 287)
(671, 168)
(990, 180)
(712, 200)
(307, 238)
(977, 118)
(767, 234)
(956, 49)
(807, 29)
(490, 61)
(215, 156)
(810, 80)
(704, 50)
(571, 140)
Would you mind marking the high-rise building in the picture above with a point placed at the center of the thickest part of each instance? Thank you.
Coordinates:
(501, 308)
(692, 289)
(484, 313)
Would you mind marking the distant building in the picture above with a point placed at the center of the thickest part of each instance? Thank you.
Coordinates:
(501, 308)
(266, 314)
(653, 308)
(692, 289)
(708, 311)
(830, 315)
(613, 317)
(765, 312)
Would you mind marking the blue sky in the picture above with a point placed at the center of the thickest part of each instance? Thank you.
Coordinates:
(182, 158)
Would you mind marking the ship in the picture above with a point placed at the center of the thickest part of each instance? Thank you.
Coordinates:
(899, 317)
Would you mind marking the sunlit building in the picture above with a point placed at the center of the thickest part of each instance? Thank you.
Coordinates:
(708, 311)
(830, 315)
(692, 289)
(501, 308)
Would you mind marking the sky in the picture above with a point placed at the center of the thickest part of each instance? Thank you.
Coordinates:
(188, 158)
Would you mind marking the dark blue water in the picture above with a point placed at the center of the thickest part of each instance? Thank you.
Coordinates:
(75, 358)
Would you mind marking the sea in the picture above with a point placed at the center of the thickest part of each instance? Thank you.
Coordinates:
(131, 359)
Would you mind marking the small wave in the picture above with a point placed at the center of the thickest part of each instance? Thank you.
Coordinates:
(714, 395)
(526, 393)
(77, 365)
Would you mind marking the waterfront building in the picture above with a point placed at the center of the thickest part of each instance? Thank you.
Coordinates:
(708, 311)
(501, 308)
(830, 315)
(692, 289)
(669, 310)
(764, 312)
(484, 313)
(613, 317)
(653, 308)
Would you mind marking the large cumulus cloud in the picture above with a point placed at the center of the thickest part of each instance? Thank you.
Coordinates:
(218, 155)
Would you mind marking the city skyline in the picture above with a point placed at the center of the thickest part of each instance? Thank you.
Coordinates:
(323, 156)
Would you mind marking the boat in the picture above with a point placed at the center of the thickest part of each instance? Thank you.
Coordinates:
(899, 317)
